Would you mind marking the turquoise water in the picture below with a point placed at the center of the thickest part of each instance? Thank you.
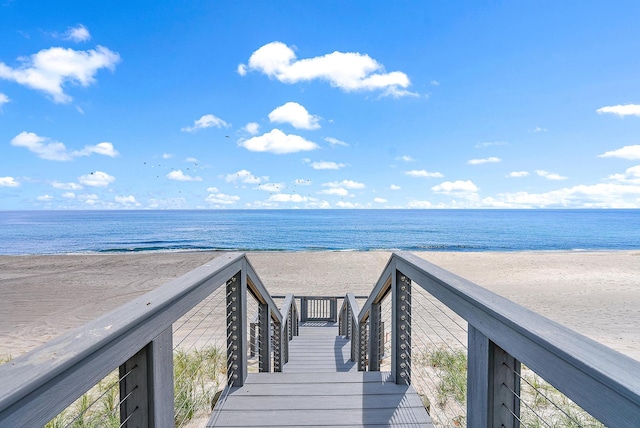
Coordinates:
(51, 232)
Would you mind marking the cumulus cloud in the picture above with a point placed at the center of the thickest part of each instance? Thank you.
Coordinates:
(486, 160)
(347, 184)
(45, 198)
(339, 191)
(9, 182)
(66, 186)
(335, 142)
(419, 204)
(271, 187)
(69, 195)
(167, 156)
(395, 187)
(405, 158)
(295, 115)
(631, 176)
(550, 175)
(278, 142)
(517, 174)
(626, 152)
(127, 200)
(206, 121)
(345, 204)
(96, 179)
(327, 165)
(50, 69)
(77, 34)
(490, 144)
(46, 148)
(178, 175)
(89, 199)
(423, 174)
(252, 128)
(379, 200)
(456, 187)
(621, 110)
(217, 198)
(302, 182)
(244, 176)
(284, 197)
(349, 71)
(3, 100)
(539, 129)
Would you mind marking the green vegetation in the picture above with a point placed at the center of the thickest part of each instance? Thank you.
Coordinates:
(198, 375)
(543, 405)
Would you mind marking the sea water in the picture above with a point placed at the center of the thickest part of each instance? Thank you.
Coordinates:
(55, 232)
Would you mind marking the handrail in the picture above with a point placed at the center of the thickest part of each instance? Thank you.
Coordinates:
(348, 325)
(40, 384)
(602, 381)
(289, 326)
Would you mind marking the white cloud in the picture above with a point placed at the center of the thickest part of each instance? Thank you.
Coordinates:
(244, 176)
(295, 115)
(66, 186)
(96, 179)
(218, 198)
(394, 187)
(9, 182)
(602, 195)
(127, 200)
(302, 182)
(550, 175)
(278, 142)
(178, 175)
(349, 71)
(3, 100)
(517, 174)
(206, 121)
(339, 191)
(45, 198)
(434, 83)
(49, 69)
(347, 184)
(621, 110)
(284, 197)
(327, 165)
(212, 189)
(89, 199)
(167, 156)
(540, 129)
(335, 142)
(77, 34)
(405, 158)
(252, 128)
(344, 204)
(46, 148)
(490, 144)
(456, 187)
(419, 204)
(626, 152)
(423, 174)
(69, 195)
(481, 161)
(631, 176)
(380, 200)
(271, 187)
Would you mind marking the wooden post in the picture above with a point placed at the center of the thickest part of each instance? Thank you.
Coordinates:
(401, 329)
(236, 330)
(334, 309)
(303, 309)
(492, 375)
(146, 385)
(375, 337)
(264, 338)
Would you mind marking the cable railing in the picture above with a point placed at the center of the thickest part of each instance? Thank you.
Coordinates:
(156, 361)
(478, 359)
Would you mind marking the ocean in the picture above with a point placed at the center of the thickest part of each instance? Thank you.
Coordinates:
(62, 232)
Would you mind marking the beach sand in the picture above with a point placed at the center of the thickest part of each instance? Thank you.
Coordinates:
(594, 293)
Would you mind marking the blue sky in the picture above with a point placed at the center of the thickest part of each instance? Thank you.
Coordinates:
(333, 104)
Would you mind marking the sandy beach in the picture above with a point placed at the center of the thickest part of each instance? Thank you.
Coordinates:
(594, 293)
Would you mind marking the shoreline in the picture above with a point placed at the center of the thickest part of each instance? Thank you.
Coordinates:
(596, 293)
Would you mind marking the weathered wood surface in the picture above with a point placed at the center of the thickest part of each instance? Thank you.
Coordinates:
(321, 387)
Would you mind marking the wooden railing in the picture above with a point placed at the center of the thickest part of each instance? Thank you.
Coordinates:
(137, 337)
(501, 336)
(318, 308)
(348, 326)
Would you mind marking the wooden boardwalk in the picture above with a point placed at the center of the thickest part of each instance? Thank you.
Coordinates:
(319, 386)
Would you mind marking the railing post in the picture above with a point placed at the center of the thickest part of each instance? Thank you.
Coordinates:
(303, 309)
(334, 310)
(146, 385)
(375, 337)
(362, 347)
(492, 375)
(277, 347)
(264, 338)
(401, 329)
(236, 330)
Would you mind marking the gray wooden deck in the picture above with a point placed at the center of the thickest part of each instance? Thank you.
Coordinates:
(319, 386)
